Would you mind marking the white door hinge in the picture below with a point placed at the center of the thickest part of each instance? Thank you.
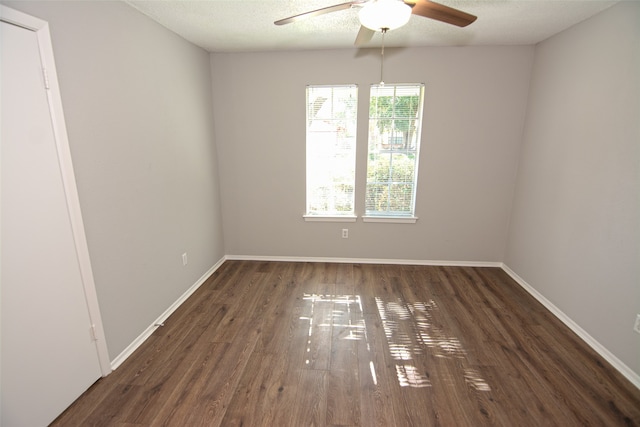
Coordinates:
(92, 331)
(45, 75)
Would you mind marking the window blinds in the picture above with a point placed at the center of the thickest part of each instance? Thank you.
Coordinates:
(395, 118)
(331, 149)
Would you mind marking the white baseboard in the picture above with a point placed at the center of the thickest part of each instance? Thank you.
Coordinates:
(147, 332)
(592, 342)
(364, 261)
(115, 363)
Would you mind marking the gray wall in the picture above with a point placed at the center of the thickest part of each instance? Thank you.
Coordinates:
(138, 106)
(575, 228)
(137, 100)
(474, 111)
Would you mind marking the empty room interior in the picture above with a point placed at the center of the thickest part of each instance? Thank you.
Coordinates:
(219, 292)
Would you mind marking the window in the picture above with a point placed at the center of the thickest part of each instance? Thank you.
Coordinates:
(395, 117)
(331, 151)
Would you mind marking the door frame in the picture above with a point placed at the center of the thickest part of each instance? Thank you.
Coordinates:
(41, 28)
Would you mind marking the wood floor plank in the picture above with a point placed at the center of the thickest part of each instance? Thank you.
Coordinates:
(343, 403)
(268, 389)
(214, 383)
(275, 314)
(507, 343)
(343, 398)
(171, 348)
(377, 379)
(310, 405)
(590, 387)
(318, 349)
(245, 299)
(98, 395)
(121, 399)
(184, 400)
(159, 384)
(339, 344)
(323, 280)
(263, 392)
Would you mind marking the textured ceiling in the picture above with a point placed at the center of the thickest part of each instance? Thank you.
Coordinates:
(247, 25)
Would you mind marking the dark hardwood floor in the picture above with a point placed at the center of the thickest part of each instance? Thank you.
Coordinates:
(320, 344)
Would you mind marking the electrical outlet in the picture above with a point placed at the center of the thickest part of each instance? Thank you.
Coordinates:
(636, 326)
(184, 259)
(345, 233)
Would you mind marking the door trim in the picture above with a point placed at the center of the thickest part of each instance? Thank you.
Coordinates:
(41, 28)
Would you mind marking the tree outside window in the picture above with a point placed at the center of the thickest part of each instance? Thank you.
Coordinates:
(395, 116)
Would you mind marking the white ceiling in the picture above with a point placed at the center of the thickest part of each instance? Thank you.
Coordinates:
(247, 25)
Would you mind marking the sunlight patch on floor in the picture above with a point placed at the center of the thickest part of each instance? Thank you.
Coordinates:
(411, 329)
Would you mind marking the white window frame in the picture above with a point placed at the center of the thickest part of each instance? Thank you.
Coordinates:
(375, 148)
(344, 145)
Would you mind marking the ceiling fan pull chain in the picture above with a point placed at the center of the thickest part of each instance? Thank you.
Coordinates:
(384, 31)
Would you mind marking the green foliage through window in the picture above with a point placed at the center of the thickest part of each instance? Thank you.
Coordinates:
(395, 116)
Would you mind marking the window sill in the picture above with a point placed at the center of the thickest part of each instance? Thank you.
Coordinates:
(336, 218)
(391, 219)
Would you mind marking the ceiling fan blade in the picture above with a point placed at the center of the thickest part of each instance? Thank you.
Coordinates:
(440, 12)
(364, 35)
(317, 12)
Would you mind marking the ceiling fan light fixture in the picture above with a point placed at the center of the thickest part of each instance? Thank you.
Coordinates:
(389, 14)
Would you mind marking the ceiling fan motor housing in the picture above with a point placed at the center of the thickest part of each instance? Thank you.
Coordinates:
(388, 14)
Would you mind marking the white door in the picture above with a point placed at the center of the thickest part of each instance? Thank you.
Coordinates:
(48, 354)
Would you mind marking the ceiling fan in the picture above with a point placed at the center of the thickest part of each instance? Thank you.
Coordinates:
(384, 15)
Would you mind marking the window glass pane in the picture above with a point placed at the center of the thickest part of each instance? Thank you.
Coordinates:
(395, 117)
(331, 149)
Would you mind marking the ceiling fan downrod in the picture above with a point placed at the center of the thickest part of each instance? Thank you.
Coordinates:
(384, 31)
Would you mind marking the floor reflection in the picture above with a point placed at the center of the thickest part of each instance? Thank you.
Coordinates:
(339, 311)
(411, 330)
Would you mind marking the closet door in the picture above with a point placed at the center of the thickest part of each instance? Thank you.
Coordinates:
(49, 355)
